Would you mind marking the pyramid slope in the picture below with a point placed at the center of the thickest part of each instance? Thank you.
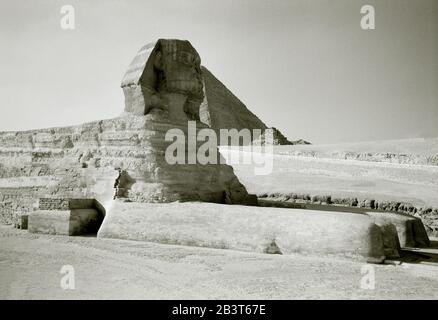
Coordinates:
(223, 110)
(220, 108)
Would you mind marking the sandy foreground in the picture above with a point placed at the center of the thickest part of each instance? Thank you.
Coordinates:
(30, 266)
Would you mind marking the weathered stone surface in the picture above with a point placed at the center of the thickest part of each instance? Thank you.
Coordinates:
(65, 222)
(65, 203)
(223, 110)
(66, 217)
(423, 219)
(97, 155)
(165, 75)
(411, 232)
(391, 241)
(247, 228)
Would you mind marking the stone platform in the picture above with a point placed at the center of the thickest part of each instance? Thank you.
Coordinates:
(70, 217)
(254, 229)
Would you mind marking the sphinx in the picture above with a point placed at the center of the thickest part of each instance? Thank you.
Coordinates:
(122, 159)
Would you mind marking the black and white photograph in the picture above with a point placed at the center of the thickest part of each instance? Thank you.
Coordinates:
(234, 150)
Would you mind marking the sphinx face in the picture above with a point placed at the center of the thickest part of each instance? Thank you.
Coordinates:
(170, 80)
(180, 68)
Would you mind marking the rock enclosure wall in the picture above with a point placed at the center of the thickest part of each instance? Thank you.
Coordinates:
(429, 216)
(121, 158)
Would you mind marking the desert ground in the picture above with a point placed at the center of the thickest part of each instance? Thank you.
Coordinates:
(393, 170)
(30, 267)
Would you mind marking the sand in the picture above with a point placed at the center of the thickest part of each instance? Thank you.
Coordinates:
(30, 267)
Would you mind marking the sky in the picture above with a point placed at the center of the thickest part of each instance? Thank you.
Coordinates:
(303, 66)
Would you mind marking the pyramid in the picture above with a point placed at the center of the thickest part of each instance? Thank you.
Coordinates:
(277, 139)
(223, 110)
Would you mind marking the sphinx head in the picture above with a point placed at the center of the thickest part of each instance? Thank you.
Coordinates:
(167, 76)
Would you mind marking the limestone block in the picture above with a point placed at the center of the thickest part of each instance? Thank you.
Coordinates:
(50, 222)
(246, 228)
(411, 231)
(391, 242)
(65, 204)
(65, 222)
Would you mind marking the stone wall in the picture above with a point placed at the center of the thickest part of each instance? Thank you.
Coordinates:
(428, 215)
(87, 161)
(65, 216)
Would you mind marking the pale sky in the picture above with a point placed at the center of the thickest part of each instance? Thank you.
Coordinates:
(303, 66)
